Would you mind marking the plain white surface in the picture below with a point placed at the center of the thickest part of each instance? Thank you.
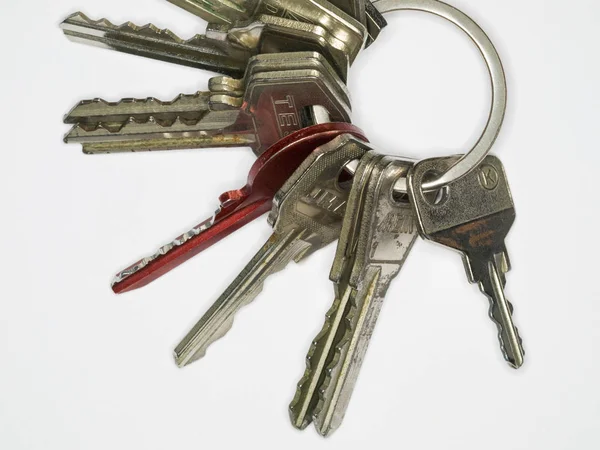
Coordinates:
(81, 368)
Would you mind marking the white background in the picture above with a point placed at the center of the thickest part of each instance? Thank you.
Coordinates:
(81, 368)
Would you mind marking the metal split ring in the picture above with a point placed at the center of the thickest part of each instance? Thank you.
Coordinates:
(475, 156)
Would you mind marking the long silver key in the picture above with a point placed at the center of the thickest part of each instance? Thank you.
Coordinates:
(378, 233)
(226, 49)
(307, 215)
(269, 109)
(473, 215)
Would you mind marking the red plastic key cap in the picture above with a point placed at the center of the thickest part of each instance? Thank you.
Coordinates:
(238, 207)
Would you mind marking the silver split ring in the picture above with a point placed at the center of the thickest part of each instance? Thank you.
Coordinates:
(475, 156)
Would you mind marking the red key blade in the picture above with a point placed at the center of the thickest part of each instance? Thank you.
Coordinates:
(238, 207)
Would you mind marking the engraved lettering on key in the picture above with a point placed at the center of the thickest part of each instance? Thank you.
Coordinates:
(276, 8)
(397, 224)
(322, 203)
(287, 116)
(488, 177)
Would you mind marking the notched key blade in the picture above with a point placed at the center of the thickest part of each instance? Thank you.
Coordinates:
(275, 255)
(153, 42)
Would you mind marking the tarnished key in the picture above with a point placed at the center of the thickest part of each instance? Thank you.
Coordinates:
(269, 109)
(378, 233)
(473, 215)
(306, 216)
(227, 48)
(239, 207)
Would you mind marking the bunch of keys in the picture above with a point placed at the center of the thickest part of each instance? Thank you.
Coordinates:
(283, 93)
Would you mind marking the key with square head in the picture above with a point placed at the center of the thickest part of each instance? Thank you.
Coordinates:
(306, 216)
(227, 48)
(473, 215)
(239, 207)
(378, 233)
(275, 92)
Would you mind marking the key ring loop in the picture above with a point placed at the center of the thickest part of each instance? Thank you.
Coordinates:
(475, 156)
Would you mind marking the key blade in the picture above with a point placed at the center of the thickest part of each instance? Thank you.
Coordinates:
(188, 107)
(152, 42)
(266, 177)
(319, 356)
(273, 257)
(501, 313)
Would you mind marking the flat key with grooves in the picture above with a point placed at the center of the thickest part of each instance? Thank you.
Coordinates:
(307, 215)
(378, 233)
(474, 215)
(268, 110)
(238, 207)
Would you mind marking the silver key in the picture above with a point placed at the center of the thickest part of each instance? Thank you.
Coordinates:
(226, 49)
(473, 215)
(152, 42)
(307, 215)
(377, 236)
(270, 108)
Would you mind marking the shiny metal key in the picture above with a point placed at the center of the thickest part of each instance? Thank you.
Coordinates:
(473, 215)
(378, 233)
(227, 48)
(270, 108)
(306, 216)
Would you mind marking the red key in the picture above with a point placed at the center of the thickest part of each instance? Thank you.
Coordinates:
(238, 207)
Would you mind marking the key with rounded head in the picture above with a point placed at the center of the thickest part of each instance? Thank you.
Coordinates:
(473, 215)
(378, 233)
(238, 207)
(307, 215)
(257, 111)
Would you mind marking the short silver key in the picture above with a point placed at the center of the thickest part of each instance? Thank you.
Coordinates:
(378, 233)
(473, 215)
(307, 215)
(269, 109)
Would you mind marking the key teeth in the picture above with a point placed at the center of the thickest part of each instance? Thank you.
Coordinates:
(149, 29)
(309, 371)
(337, 355)
(81, 129)
(162, 251)
(72, 117)
(493, 310)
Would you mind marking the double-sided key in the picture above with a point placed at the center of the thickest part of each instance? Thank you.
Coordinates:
(227, 48)
(473, 215)
(307, 215)
(257, 111)
(238, 207)
(378, 233)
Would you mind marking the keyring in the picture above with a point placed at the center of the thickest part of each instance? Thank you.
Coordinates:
(475, 156)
